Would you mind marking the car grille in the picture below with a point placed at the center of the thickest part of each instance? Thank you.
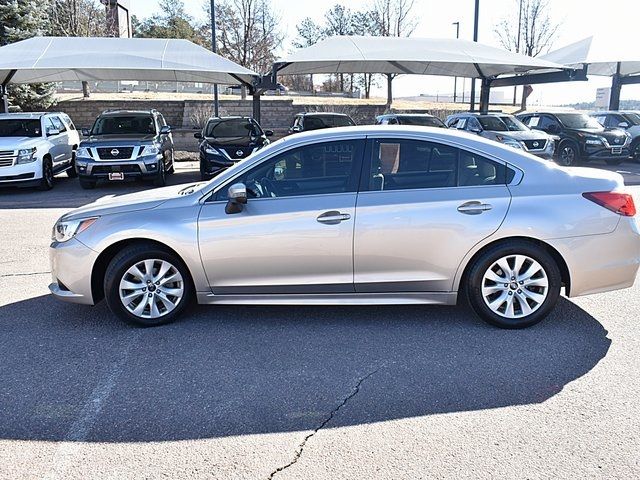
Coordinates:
(122, 153)
(233, 152)
(102, 169)
(6, 158)
(617, 141)
(530, 144)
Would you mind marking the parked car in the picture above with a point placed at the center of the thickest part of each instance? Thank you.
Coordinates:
(34, 147)
(225, 141)
(125, 144)
(504, 128)
(418, 119)
(580, 137)
(427, 216)
(626, 120)
(303, 122)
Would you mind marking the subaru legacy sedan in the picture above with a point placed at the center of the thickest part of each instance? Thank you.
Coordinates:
(357, 215)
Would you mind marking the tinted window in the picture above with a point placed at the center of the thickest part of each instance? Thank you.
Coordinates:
(472, 123)
(20, 128)
(421, 120)
(578, 120)
(492, 123)
(230, 128)
(67, 121)
(58, 124)
(124, 125)
(612, 121)
(322, 168)
(410, 164)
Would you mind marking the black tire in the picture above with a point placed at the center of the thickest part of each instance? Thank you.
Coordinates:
(124, 260)
(161, 178)
(487, 258)
(172, 166)
(635, 150)
(568, 153)
(87, 184)
(46, 182)
(614, 161)
(72, 172)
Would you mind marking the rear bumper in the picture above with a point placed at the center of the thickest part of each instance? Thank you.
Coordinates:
(601, 263)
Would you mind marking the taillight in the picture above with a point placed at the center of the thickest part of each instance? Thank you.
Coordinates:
(617, 202)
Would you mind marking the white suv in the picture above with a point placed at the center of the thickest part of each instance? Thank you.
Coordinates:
(36, 146)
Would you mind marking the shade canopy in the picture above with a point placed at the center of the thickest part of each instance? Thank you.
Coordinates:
(600, 54)
(417, 56)
(56, 59)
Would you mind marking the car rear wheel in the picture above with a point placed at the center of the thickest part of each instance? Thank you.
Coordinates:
(568, 154)
(513, 285)
(46, 182)
(146, 285)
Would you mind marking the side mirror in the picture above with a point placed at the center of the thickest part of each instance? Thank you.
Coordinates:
(475, 129)
(198, 135)
(623, 125)
(165, 130)
(85, 132)
(53, 131)
(237, 198)
(268, 133)
(296, 129)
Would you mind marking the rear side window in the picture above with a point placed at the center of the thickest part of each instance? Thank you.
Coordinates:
(414, 164)
(58, 124)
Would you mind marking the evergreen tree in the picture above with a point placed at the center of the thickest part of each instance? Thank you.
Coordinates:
(19, 20)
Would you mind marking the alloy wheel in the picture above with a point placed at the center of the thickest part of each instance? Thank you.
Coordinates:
(567, 156)
(151, 288)
(515, 286)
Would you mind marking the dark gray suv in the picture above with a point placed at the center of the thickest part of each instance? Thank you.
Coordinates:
(125, 144)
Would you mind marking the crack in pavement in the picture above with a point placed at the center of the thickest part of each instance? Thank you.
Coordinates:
(332, 414)
(23, 274)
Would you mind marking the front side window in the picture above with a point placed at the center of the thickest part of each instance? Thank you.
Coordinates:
(414, 164)
(492, 123)
(124, 125)
(323, 168)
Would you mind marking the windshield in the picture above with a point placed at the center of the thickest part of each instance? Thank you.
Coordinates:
(578, 120)
(15, 127)
(124, 125)
(233, 127)
(421, 120)
(513, 124)
(632, 118)
(490, 122)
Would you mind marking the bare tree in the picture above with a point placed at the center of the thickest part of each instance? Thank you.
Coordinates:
(531, 32)
(309, 33)
(393, 18)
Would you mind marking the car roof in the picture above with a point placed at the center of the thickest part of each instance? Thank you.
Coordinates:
(29, 115)
(127, 112)
(478, 114)
(407, 115)
(231, 117)
(323, 114)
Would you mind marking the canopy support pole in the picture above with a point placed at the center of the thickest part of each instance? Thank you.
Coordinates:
(616, 87)
(485, 92)
(4, 95)
(256, 105)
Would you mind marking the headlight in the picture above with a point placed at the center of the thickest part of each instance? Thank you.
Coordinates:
(150, 150)
(83, 152)
(593, 140)
(26, 155)
(211, 151)
(65, 230)
(512, 143)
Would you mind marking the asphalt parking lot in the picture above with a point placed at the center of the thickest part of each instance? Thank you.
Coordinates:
(304, 392)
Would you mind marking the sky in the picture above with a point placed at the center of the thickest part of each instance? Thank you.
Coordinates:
(615, 20)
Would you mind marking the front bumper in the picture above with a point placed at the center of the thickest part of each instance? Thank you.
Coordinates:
(20, 174)
(212, 164)
(142, 167)
(546, 153)
(601, 263)
(595, 152)
(71, 266)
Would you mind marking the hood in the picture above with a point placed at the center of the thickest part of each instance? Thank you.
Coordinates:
(524, 135)
(120, 140)
(15, 143)
(111, 204)
(615, 136)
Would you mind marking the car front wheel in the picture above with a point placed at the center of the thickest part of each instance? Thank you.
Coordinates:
(146, 285)
(513, 285)
(568, 154)
(46, 183)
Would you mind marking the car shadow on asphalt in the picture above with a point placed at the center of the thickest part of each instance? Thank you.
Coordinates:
(67, 192)
(226, 370)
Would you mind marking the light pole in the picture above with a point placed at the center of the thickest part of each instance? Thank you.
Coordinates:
(216, 102)
(455, 79)
(475, 39)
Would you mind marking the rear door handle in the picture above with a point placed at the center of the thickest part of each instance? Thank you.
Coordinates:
(333, 217)
(474, 208)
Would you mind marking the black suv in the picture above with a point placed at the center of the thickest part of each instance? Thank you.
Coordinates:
(420, 119)
(125, 144)
(580, 137)
(228, 140)
(304, 122)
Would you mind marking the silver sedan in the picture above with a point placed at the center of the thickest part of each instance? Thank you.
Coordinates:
(357, 215)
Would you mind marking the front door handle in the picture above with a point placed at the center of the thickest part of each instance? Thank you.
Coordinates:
(333, 217)
(474, 208)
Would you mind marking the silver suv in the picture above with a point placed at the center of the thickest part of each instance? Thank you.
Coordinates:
(505, 129)
(357, 215)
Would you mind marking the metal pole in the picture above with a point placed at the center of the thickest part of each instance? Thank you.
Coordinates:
(515, 89)
(4, 99)
(455, 79)
(475, 39)
(616, 87)
(216, 101)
